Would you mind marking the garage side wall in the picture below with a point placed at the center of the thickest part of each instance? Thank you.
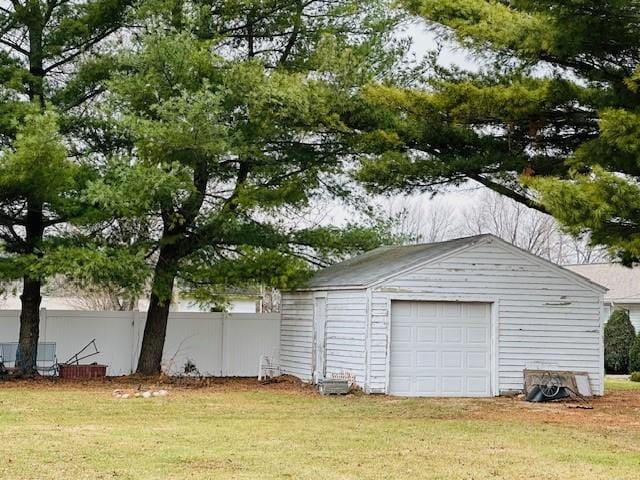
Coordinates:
(346, 330)
(544, 318)
(296, 334)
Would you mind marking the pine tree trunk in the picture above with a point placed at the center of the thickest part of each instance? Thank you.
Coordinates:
(30, 298)
(155, 328)
(29, 327)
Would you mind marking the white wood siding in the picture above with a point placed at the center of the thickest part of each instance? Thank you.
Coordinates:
(296, 334)
(544, 318)
(346, 331)
(380, 330)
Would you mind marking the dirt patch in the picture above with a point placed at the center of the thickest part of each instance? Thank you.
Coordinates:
(615, 409)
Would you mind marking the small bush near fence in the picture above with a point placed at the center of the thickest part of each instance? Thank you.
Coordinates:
(619, 336)
(635, 377)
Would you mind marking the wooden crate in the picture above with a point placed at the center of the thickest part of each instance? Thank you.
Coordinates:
(72, 371)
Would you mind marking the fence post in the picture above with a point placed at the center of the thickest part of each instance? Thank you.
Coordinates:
(43, 321)
(133, 341)
(223, 362)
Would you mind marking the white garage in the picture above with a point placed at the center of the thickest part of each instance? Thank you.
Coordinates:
(457, 318)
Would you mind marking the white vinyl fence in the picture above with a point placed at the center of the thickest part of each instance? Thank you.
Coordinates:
(218, 344)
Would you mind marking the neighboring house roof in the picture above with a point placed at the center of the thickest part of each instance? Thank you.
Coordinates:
(623, 282)
(389, 261)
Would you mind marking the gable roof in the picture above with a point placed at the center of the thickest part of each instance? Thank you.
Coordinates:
(386, 262)
(623, 282)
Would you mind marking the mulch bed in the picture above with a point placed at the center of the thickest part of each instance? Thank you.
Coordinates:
(283, 383)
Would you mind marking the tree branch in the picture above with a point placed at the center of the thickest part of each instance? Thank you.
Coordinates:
(294, 33)
(507, 192)
(80, 49)
(15, 47)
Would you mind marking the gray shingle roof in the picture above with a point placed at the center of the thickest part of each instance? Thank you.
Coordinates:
(383, 262)
(623, 282)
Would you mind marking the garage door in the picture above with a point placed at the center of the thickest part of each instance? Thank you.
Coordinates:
(440, 349)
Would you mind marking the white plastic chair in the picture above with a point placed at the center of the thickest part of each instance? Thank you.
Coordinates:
(268, 367)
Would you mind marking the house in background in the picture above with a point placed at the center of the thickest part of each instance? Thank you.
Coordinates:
(55, 297)
(623, 284)
(459, 318)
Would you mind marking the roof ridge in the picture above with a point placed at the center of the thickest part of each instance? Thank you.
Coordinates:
(594, 264)
(442, 242)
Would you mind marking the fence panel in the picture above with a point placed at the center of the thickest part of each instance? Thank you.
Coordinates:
(197, 338)
(218, 344)
(246, 337)
(72, 330)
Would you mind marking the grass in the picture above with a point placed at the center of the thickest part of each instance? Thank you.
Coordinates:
(616, 384)
(267, 432)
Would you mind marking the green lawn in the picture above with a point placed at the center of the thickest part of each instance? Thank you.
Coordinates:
(615, 384)
(253, 431)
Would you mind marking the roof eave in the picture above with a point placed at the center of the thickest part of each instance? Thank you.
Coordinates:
(565, 271)
(329, 287)
(623, 300)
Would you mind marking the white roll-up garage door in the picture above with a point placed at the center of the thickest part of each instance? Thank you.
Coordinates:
(440, 349)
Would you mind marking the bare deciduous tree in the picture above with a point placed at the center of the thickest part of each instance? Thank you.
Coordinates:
(528, 229)
(512, 222)
(422, 221)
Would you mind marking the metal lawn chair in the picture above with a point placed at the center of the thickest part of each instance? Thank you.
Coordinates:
(46, 361)
(8, 353)
(7, 356)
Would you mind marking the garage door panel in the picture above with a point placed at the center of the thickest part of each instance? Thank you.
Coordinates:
(427, 334)
(402, 359)
(452, 385)
(452, 334)
(427, 359)
(477, 385)
(403, 334)
(440, 349)
(477, 335)
(450, 309)
(477, 310)
(402, 385)
(427, 384)
(425, 309)
(452, 359)
(477, 360)
(404, 309)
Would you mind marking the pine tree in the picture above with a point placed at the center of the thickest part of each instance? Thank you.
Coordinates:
(551, 120)
(234, 111)
(51, 59)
